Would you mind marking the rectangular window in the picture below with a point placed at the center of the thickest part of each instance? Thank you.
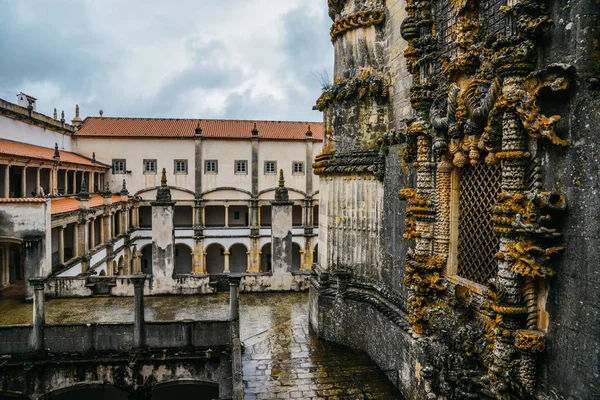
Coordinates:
(149, 166)
(118, 166)
(270, 167)
(298, 167)
(211, 166)
(241, 166)
(181, 166)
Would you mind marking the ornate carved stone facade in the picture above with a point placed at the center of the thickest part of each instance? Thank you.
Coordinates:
(493, 105)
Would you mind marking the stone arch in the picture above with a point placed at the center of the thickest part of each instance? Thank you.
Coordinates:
(215, 258)
(102, 273)
(183, 259)
(11, 261)
(296, 257)
(238, 258)
(185, 389)
(266, 258)
(88, 391)
(146, 259)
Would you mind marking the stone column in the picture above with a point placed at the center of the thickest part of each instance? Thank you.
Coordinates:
(54, 182)
(163, 231)
(7, 181)
(74, 182)
(226, 215)
(66, 182)
(61, 245)
(76, 240)
(234, 286)
(91, 226)
(199, 266)
(38, 181)
(281, 229)
(39, 312)
(91, 182)
(24, 182)
(136, 216)
(139, 338)
(226, 261)
(258, 217)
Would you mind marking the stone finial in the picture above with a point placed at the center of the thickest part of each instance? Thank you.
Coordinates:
(55, 115)
(124, 190)
(163, 178)
(77, 120)
(254, 130)
(198, 130)
(281, 193)
(56, 155)
(163, 194)
(94, 157)
(83, 192)
(101, 113)
(309, 132)
(62, 116)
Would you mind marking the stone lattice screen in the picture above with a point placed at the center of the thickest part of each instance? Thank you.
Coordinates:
(477, 242)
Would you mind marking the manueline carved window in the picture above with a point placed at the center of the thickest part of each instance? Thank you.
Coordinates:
(473, 241)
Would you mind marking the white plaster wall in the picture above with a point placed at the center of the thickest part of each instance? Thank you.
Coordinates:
(227, 152)
(135, 151)
(17, 131)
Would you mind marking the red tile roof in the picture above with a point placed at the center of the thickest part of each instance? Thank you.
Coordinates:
(10, 148)
(185, 128)
(23, 200)
(66, 204)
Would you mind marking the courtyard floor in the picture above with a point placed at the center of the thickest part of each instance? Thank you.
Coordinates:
(282, 357)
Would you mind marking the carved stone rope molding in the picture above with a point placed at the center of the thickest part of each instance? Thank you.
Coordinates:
(358, 20)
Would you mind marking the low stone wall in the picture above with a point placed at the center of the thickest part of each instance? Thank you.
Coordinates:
(82, 338)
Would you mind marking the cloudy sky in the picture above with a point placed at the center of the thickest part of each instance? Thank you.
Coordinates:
(240, 59)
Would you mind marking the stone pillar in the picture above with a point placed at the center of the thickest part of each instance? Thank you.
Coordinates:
(308, 261)
(82, 238)
(54, 182)
(7, 181)
(83, 199)
(136, 216)
(61, 245)
(226, 215)
(39, 312)
(258, 216)
(92, 189)
(66, 182)
(234, 286)
(199, 266)
(226, 261)
(76, 240)
(139, 338)
(92, 231)
(24, 182)
(38, 182)
(163, 231)
(281, 229)
(74, 182)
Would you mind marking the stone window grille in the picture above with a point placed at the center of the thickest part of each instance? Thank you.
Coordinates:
(298, 167)
(241, 166)
(473, 243)
(181, 167)
(270, 167)
(211, 166)
(118, 166)
(149, 166)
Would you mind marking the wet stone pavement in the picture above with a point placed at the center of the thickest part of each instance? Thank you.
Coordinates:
(283, 359)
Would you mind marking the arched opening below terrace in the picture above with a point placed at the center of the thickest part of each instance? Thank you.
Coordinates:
(183, 259)
(266, 258)
(215, 259)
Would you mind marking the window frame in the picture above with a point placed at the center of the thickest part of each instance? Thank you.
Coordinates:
(301, 163)
(146, 172)
(267, 162)
(181, 160)
(119, 160)
(235, 167)
(206, 162)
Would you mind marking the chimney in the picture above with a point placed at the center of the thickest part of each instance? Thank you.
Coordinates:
(254, 131)
(25, 100)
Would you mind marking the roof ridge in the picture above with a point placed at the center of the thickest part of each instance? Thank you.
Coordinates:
(207, 119)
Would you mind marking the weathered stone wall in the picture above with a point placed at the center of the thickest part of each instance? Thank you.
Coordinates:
(366, 307)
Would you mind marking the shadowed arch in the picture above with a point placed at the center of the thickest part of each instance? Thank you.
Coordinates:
(183, 259)
(238, 258)
(146, 259)
(215, 259)
(296, 257)
(266, 258)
